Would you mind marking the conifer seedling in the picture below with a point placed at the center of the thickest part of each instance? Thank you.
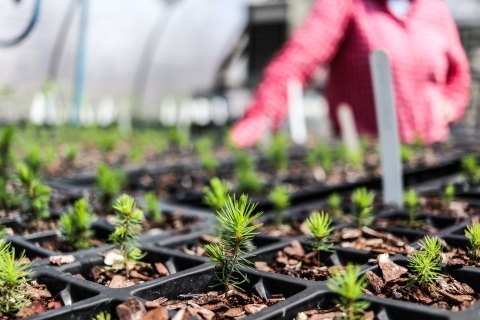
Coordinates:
(128, 225)
(235, 220)
(35, 195)
(14, 274)
(248, 181)
(470, 169)
(362, 210)
(406, 153)
(243, 161)
(109, 183)
(448, 195)
(216, 194)
(473, 235)
(349, 285)
(319, 226)
(7, 197)
(33, 159)
(424, 263)
(152, 207)
(432, 246)
(277, 153)
(320, 154)
(411, 201)
(75, 225)
(335, 205)
(71, 153)
(207, 158)
(280, 198)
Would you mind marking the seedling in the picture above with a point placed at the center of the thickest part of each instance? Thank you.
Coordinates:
(248, 181)
(207, 158)
(471, 169)
(152, 207)
(448, 195)
(128, 225)
(411, 201)
(473, 235)
(216, 194)
(109, 183)
(35, 194)
(33, 159)
(319, 226)
(277, 153)
(6, 140)
(236, 222)
(14, 274)
(349, 285)
(71, 153)
(243, 161)
(320, 154)
(424, 263)
(75, 225)
(406, 153)
(362, 201)
(335, 204)
(103, 316)
(177, 137)
(280, 198)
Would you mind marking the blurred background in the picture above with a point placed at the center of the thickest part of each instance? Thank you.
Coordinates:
(171, 61)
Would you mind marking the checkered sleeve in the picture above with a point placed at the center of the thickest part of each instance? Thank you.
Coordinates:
(313, 44)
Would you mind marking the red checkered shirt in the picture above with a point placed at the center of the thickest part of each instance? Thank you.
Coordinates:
(428, 63)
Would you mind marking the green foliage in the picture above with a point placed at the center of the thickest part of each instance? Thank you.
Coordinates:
(216, 194)
(13, 276)
(33, 159)
(177, 137)
(280, 198)
(243, 161)
(6, 140)
(470, 169)
(34, 194)
(473, 235)
(71, 153)
(319, 226)
(411, 201)
(320, 154)
(362, 210)
(75, 225)
(432, 246)
(349, 286)
(106, 141)
(236, 223)
(425, 269)
(152, 207)
(109, 183)
(8, 197)
(208, 160)
(128, 225)
(277, 153)
(448, 195)
(103, 316)
(335, 204)
(248, 181)
(406, 153)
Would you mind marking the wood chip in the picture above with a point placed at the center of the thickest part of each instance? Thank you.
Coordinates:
(37, 293)
(295, 249)
(254, 308)
(375, 282)
(457, 298)
(59, 260)
(262, 265)
(161, 269)
(234, 312)
(390, 269)
(119, 281)
(152, 304)
(350, 233)
(157, 314)
(136, 274)
(132, 309)
(196, 311)
(456, 263)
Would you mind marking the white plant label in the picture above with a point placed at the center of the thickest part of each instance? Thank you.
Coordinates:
(296, 112)
(348, 127)
(387, 127)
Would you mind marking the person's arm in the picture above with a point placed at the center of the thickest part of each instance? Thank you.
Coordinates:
(312, 45)
(457, 89)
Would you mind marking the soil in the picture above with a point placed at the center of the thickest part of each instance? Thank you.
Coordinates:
(178, 221)
(59, 246)
(330, 314)
(27, 227)
(457, 257)
(214, 305)
(403, 223)
(445, 293)
(293, 229)
(295, 262)
(458, 208)
(41, 301)
(372, 240)
(116, 277)
(198, 249)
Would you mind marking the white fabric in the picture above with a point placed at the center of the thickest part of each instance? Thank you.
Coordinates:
(399, 8)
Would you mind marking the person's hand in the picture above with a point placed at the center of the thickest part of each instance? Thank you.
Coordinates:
(248, 131)
(443, 106)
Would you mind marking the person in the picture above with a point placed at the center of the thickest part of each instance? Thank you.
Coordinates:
(430, 69)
